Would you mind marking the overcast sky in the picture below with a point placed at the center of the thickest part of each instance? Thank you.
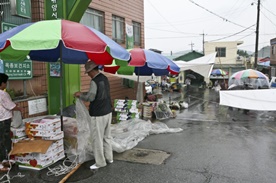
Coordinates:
(174, 25)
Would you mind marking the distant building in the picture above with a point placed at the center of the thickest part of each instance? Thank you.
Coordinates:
(189, 56)
(226, 57)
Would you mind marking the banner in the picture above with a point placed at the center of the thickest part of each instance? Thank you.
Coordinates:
(129, 36)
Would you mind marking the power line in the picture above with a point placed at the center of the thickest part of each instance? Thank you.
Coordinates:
(162, 16)
(225, 19)
(268, 18)
(268, 10)
(170, 31)
(232, 34)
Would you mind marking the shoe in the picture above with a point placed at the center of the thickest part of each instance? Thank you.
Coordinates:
(110, 161)
(94, 167)
(8, 163)
(3, 168)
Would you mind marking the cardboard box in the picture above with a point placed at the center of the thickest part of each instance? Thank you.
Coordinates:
(42, 133)
(18, 132)
(47, 123)
(36, 164)
(56, 136)
(37, 154)
(31, 146)
(15, 140)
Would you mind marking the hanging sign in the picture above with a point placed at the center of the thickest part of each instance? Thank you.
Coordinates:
(53, 9)
(17, 69)
(21, 8)
(7, 26)
(129, 36)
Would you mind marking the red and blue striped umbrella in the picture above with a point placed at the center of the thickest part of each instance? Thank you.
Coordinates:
(63, 40)
(251, 77)
(51, 40)
(219, 72)
(144, 63)
(248, 73)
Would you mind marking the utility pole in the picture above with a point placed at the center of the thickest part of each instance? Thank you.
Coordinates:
(257, 35)
(192, 45)
(203, 42)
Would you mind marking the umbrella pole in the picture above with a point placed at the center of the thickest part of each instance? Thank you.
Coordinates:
(138, 87)
(61, 90)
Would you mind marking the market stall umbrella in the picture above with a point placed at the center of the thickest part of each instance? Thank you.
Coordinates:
(219, 72)
(251, 77)
(62, 40)
(144, 63)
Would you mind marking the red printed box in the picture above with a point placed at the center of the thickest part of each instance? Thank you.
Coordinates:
(42, 133)
(47, 123)
(18, 132)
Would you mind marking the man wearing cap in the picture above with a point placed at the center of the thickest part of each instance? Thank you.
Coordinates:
(100, 111)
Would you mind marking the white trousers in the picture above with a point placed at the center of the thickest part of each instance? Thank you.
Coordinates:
(101, 142)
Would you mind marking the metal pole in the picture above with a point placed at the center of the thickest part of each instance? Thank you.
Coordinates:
(61, 87)
(25, 87)
(257, 35)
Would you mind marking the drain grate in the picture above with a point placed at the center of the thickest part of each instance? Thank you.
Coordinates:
(145, 156)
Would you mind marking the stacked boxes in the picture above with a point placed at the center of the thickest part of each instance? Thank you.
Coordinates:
(49, 129)
(126, 109)
(18, 134)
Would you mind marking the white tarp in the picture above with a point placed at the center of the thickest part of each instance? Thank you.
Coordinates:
(203, 65)
(261, 100)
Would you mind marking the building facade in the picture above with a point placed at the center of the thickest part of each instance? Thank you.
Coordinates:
(107, 16)
(226, 57)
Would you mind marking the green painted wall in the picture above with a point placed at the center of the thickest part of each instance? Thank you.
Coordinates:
(73, 10)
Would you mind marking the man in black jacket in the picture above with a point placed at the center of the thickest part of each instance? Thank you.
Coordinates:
(100, 111)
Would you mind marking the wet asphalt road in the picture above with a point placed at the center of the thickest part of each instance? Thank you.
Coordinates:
(217, 145)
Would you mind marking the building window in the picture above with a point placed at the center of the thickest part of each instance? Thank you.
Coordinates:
(93, 18)
(221, 51)
(137, 33)
(118, 27)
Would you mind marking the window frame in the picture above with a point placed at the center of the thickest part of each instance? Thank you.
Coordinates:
(221, 51)
(94, 15)
(136, 29)
(118, 24)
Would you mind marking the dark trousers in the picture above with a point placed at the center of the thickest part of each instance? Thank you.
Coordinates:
(5, 139)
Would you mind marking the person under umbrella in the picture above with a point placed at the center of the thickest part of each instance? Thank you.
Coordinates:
(100, 111)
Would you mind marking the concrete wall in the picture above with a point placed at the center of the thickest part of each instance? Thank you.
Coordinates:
(231, 51)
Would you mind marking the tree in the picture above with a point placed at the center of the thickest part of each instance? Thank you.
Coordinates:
(242, 53)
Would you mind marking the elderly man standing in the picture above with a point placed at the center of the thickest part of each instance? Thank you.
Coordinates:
(100, 111)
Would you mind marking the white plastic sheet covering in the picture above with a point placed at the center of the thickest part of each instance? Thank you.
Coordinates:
(202, 65)
(126, 134)
(262, 100)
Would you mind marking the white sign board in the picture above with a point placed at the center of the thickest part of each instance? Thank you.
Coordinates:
(37, 106)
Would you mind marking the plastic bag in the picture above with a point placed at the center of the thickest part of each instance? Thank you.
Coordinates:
(84, 137)
(16, 119)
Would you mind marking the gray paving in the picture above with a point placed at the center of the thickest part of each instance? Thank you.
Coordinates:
(217, 145)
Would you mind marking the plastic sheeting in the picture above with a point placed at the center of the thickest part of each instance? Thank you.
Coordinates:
(126, 134)
(261, 100)
(203, 65)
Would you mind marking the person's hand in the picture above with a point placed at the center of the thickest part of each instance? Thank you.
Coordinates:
(21, 109)
(77, 94)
